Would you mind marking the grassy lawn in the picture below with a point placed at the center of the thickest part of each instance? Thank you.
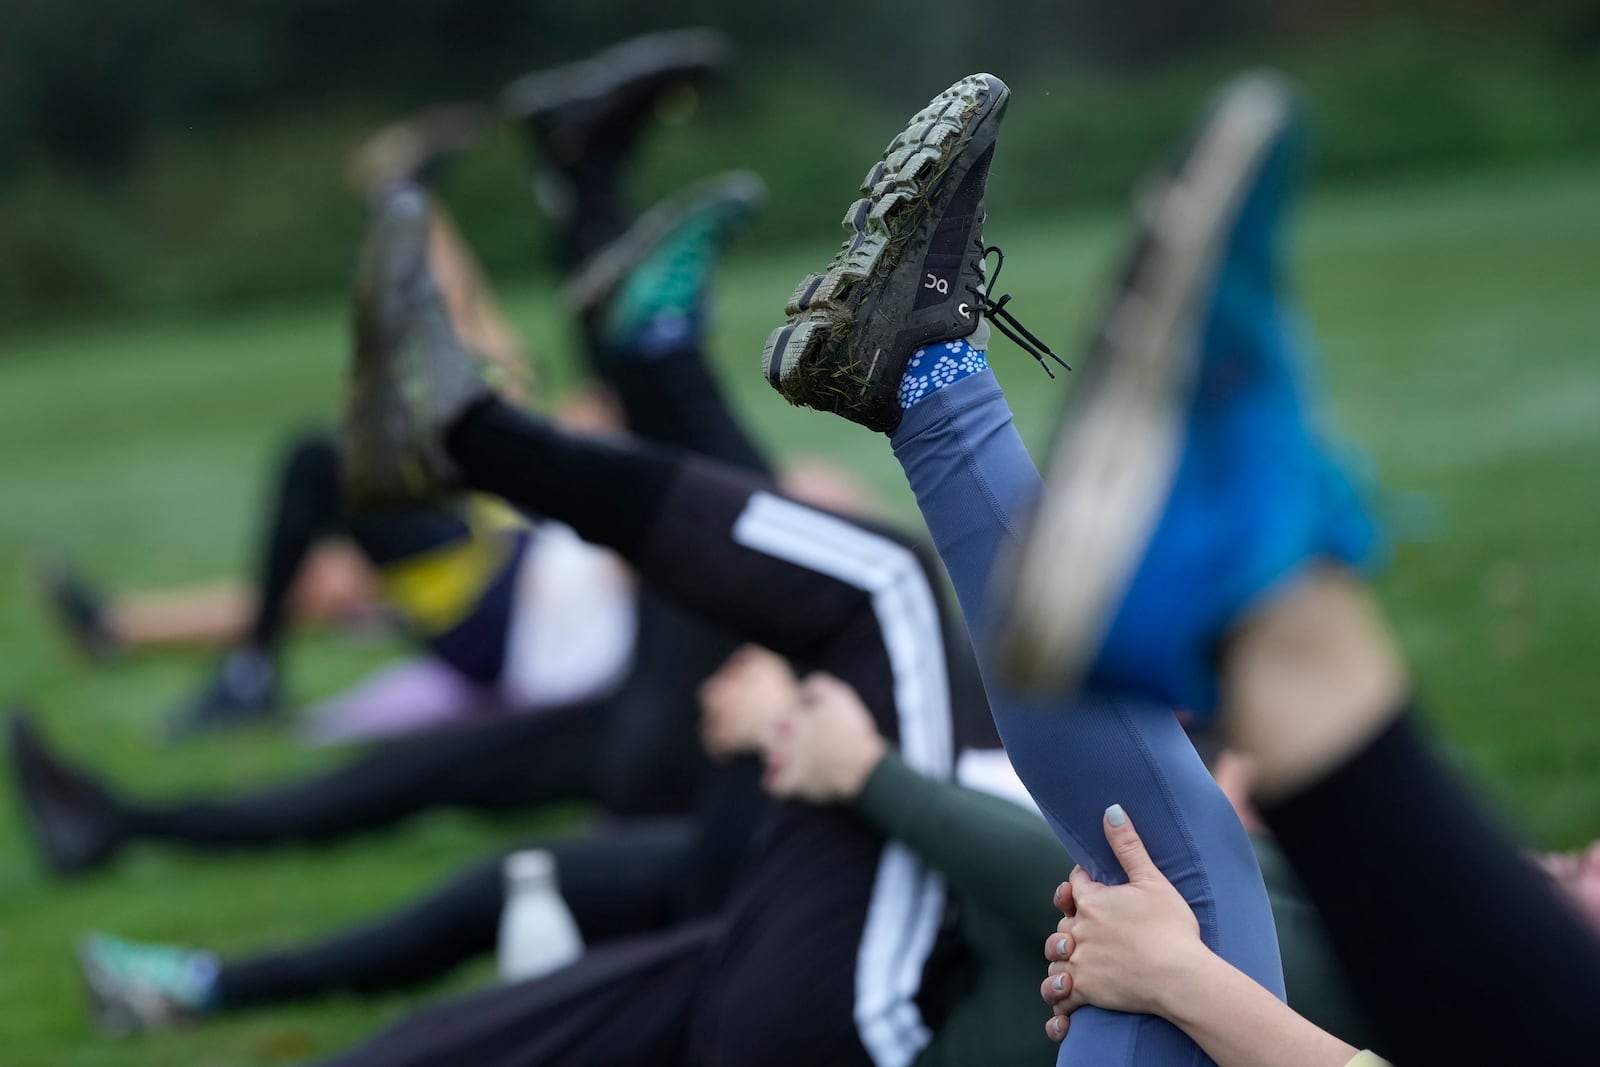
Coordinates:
(1459, 320)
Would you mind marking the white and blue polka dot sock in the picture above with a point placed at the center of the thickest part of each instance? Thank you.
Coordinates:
(936, 366)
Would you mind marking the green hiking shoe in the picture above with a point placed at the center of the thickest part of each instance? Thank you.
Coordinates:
(410, 376)
(655, 276)
(910, 272)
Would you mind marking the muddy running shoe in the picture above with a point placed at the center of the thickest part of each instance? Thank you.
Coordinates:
(137, 987)
(910, 272)
(74, 821)
(662, 266)
(1191, 473)
(410, 375)
(243, 690)
(600, 104)
(77, 607)
(418, 148)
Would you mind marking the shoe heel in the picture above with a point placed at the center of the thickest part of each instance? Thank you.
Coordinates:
(790, 349)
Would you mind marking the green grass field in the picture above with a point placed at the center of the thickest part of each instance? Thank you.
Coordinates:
(1459, 320)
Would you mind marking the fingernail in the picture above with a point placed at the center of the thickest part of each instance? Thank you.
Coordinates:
(1115, 815)
(1061, 947)
(1058, 983)
(1055, 1024)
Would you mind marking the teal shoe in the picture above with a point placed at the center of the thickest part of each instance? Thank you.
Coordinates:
(1192, 475)
(649, 287)
(136, 987)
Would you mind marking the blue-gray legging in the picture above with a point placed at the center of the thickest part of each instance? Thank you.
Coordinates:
(975, 482)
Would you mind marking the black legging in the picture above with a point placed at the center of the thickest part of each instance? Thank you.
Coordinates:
(617, 881)
(625, 877)
(307, 505)
(1459, 949)
(628, 1002)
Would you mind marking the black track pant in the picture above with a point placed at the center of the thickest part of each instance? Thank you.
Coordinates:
(1458, 949)
(630, 1002)
(635, 751)
(825, 905)
(627, 877)
(617, 881)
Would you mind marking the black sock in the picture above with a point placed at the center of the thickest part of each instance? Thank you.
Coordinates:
(1459, 950)
(609, 493)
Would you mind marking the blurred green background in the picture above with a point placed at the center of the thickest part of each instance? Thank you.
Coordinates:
(176, 237)
(183, 153)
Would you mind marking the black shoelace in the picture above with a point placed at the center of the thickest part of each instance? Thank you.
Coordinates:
(1005, 321)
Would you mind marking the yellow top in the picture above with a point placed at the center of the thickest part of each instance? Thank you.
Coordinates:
(437, 589)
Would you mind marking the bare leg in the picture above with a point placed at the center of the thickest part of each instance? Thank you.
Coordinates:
(1310, 680)
(335, 584)
(1314, 689)
(477, 315)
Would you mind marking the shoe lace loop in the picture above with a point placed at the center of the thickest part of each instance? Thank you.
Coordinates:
(1004, 320)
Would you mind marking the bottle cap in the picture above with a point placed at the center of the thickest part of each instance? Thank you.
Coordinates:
(530, 865)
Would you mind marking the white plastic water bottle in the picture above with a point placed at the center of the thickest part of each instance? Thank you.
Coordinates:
(537, 932)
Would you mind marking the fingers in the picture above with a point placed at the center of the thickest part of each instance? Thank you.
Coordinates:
(818, 687)
(730, 667)
(1063, 1002)
(775, 782)
(1058, 946)
(1124, 841)
(1064, 901)
(1080, 883)
(1056, 988)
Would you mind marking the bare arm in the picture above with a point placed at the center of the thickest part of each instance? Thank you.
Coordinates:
(1137, 948)
(1238, 1023)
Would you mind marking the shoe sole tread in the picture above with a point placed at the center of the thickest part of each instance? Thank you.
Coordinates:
(807, 358)
(1117, 454)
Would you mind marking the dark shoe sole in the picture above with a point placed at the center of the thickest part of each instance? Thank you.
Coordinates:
(66, 853)
(644, 64)
(409, 373)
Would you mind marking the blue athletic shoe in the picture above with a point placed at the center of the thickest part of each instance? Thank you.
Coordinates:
(1191, 476)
